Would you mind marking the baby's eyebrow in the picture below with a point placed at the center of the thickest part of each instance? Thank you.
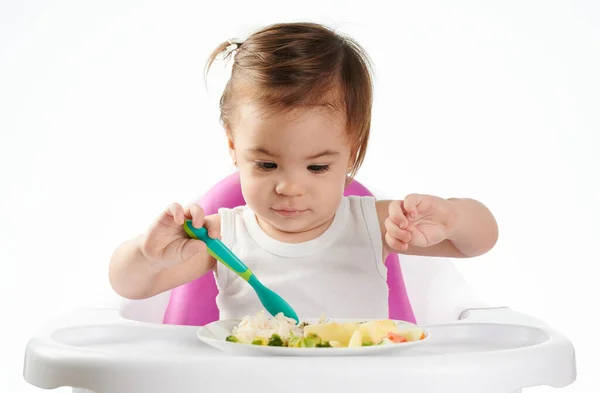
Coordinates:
(324, 153)
(261, 150)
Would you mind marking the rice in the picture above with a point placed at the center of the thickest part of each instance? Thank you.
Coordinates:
(261, 326)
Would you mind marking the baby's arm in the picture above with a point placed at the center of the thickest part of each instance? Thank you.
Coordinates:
(457, 228)
(164, 257)
(476, 230)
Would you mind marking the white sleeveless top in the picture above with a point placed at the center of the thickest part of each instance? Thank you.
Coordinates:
(340, 273)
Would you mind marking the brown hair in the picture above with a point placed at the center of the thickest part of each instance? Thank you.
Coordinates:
(292, 65)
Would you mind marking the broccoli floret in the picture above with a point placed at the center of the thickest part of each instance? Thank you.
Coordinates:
(275, 341)
(324, 344)
(232, 339)
(310, 341)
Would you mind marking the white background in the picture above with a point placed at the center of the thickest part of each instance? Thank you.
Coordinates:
(105, 119)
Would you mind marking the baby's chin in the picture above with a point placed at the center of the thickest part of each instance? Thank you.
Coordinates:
(291, 224)
(301, 224)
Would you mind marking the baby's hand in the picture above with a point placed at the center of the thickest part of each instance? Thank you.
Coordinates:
(420, 220)
(166, 244)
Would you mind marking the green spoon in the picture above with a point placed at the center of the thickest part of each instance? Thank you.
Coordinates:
(272, 302)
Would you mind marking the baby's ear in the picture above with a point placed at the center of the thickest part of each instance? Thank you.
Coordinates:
(229, 135)
(351, 163)
(231, 147)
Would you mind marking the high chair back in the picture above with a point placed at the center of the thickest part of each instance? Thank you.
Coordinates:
(195, 304)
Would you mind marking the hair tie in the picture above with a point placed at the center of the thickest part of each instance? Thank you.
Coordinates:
(234, 44)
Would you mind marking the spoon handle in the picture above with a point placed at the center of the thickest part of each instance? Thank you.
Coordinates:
(218, 250)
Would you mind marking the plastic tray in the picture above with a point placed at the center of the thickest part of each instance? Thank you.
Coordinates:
(489, 351)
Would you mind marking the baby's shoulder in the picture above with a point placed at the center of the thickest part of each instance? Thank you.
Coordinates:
(361, 203)
(369, 208)
(231, 222)
(232, 211)
(359, 198)
(229, 216)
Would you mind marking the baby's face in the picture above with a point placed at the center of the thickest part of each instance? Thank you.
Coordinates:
(293, 168)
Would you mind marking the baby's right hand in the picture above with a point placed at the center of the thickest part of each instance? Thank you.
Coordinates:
(166, 244)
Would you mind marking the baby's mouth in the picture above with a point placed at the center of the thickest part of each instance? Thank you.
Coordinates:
(288, 212)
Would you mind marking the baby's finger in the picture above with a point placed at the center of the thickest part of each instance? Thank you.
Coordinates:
(197, 215)
(176, 211)
(396, 232)
(395, 244)
(411, 202)
(213, 227)
(191, 247)
(396, 213)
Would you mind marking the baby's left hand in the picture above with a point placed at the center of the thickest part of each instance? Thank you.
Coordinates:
(420, 220)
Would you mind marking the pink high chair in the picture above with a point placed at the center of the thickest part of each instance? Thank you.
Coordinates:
(151, 345)
(194, 303)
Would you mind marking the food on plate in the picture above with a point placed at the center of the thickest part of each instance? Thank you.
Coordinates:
(280, 331)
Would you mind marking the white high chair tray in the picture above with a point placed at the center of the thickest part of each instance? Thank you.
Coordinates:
(489, 351)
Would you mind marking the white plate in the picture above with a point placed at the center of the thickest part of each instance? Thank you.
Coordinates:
(215, 333)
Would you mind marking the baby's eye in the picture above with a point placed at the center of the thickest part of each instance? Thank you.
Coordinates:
(318, 168)
(266, 166)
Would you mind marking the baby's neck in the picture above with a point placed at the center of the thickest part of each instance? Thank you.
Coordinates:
(294, 237)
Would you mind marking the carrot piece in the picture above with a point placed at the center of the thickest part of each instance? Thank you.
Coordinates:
(396, 338)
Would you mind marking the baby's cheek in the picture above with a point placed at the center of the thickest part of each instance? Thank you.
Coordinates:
(330, 194)
(254, 188)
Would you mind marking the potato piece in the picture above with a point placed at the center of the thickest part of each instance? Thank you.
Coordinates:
(411, 334)
(356, 340)
(375, 331)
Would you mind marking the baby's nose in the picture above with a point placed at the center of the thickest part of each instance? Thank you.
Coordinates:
(289, 187)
